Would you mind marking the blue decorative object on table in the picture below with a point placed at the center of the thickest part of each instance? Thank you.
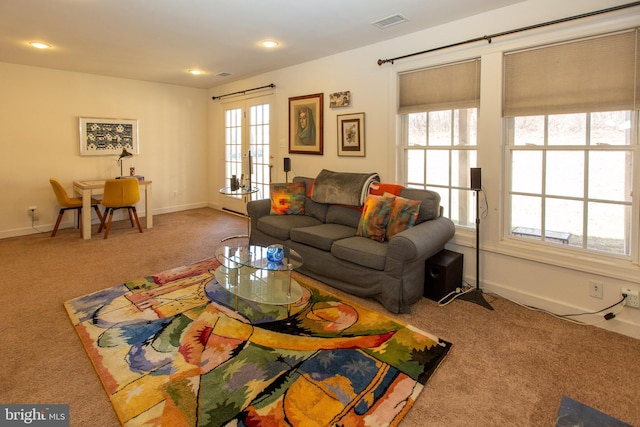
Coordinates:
(275, 253)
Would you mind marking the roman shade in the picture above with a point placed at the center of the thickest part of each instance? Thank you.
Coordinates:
(592, 74)
(444, 87)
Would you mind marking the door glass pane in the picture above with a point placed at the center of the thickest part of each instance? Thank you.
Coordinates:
(233, 144)
(259, 147)
(565, 173)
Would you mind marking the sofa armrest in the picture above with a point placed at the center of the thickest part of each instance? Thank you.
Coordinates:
(421, 241)
(256, 209)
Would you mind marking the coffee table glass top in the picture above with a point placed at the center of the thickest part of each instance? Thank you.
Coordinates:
(247, 272)
(256, 257)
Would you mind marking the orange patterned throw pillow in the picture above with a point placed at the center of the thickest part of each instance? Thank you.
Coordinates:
(403, 215)
(375, 216)
(288, 199)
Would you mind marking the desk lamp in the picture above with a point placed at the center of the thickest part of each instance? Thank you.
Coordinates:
(124, 154)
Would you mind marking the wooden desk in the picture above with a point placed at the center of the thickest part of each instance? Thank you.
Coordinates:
(86, 189)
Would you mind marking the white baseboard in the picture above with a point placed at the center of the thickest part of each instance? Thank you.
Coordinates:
(619, 324)
(118, 215)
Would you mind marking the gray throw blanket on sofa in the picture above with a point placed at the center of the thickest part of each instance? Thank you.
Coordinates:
(343, 188)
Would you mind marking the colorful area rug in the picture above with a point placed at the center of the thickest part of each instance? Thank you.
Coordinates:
(176, 349)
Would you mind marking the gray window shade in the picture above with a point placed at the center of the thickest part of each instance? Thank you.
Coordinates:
(440, 88)
(595, 74)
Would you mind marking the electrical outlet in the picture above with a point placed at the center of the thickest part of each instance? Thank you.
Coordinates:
(595, 289)
(633, 299)
(32, 211)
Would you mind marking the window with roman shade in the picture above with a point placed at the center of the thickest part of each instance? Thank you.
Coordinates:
(438, 107)
(571, 144)
(593, 74)
(445, 87)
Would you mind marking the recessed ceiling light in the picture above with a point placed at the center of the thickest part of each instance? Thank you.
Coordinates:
(270, 44)
(195, 72)
(40, 45)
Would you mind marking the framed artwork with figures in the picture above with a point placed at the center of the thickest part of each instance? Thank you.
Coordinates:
(306, 124)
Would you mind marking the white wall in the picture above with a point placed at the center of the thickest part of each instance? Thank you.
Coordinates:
(39, 110)
(555, 280)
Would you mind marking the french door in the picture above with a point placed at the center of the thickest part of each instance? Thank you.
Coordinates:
(247, 135)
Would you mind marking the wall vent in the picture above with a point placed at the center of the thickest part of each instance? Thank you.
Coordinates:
(390, 21)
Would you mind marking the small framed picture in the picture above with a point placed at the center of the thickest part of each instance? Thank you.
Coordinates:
(306, 124)
(351, 135)
(340, 99)
(107, 137)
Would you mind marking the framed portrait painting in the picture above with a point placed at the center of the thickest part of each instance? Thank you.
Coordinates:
(351, 135)
(105, 137)
(306, 124)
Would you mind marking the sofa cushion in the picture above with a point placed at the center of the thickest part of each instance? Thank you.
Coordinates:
(345, 215)
(321, 236)
(375, 216)
(362, 251)
(279, 226)
(403, 215)
(315, 209)
(287, 198)
(430, 203)
(379, 189)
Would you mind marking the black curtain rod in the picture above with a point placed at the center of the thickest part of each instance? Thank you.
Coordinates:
(517, 30)
(243, 91)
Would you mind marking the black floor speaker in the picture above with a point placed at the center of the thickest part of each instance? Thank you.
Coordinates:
(443, 274)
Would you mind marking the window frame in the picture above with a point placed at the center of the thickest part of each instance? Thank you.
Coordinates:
(633, 147)
(450, 148)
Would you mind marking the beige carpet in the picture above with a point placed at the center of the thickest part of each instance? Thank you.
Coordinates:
(507, 367)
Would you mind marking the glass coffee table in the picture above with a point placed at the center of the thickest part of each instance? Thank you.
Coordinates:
(247, 272)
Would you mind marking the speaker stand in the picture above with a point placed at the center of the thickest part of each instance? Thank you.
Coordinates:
(475, 296)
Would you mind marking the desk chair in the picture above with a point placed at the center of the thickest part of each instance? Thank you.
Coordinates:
(120, 194)
(67, 203)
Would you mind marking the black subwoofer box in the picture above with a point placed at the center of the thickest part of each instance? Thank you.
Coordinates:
(442, 274)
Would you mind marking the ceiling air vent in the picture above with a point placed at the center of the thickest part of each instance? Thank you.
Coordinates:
(223, 74)
(389, 21)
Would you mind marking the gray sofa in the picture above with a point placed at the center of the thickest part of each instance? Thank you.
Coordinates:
(392, 271)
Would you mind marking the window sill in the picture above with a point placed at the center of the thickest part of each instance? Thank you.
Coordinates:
(548, 254)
